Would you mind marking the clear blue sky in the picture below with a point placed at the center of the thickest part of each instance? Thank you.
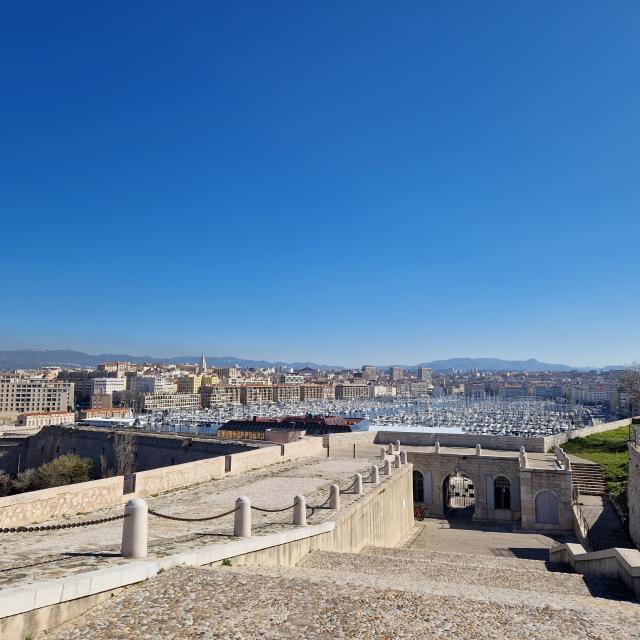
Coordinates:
(344, 182)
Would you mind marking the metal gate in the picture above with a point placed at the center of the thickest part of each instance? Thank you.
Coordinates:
(459, 492)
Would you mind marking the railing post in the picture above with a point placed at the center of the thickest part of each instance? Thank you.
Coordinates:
(334, 496)
(354, 449)
(396, 461)
(374, 474)
(403, 457)
(300, 511)
(386, 470)
(397, 445)
(436, 446)
(242, 518)
(358, 487)
(390, 449)
(478, 450)
(135, 529)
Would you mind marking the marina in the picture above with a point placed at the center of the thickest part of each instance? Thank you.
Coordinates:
(527, 417)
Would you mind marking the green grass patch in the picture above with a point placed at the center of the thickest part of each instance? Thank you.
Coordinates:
(608, 449)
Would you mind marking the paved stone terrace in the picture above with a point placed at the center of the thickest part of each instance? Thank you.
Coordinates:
(32, 557)
(254, 602)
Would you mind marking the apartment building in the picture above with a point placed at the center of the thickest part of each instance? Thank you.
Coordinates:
(161, 401)
(256, 394)
(151, 384)
(286, 393)
(350, 391)
(424, 374)
(212, 395)
(42, 419)
(34, 395)
(189, 384)
(313, 392)
(106, 386)
(396, 373)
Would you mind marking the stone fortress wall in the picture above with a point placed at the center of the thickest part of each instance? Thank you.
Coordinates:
(633, 493)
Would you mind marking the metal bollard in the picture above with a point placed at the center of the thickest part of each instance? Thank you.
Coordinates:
(358, 487)
(374, 474)
(386, 470)
(135, 529)
(396, 461)
(300, 511)
(242, 518)
(437, 447)
(478, 450)
(403, 457)
(334, 496)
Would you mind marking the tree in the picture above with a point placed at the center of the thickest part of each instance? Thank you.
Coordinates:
(25, 481)
(629, 382)
(6, 484)
(124, 447)
(66, 469)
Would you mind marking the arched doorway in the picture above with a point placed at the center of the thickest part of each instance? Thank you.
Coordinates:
(458, 492)
(547, 508)
(418, 486)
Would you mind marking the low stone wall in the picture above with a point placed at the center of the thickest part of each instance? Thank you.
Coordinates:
(342, 439)
(500, 443)
(38, 506)
(179, 476)
(560, 438)
(633, 493)
(623, 564)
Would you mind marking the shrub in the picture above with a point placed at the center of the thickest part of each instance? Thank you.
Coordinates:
(5, 484)
(66, 469)
(25, 481)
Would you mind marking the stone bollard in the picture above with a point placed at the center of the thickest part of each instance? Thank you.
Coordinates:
(437, 447)
(374, 474)
(478, 450)
(242, 520)
(386, 470)
(390, 449)
(358, 487)
(403, 457)
(334, 496)
(522, 449)
(383, 453)
(300, 511)
(523, 460)
(397, 445)
(396, 461)
(134, 529)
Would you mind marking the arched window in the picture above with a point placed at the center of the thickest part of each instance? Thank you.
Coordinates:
(418, 486)
(502, 493)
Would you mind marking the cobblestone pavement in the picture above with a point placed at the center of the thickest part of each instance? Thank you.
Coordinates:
(32, 557)
(252, 602)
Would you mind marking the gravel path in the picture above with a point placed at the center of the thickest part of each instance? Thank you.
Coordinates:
(251, 602)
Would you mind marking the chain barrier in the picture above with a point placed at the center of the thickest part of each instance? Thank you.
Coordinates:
(353, 484)
(320, 506)
(56, 527)
(272, 510)
(179, 519)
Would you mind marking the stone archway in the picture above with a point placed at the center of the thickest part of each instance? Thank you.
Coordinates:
(458, 492)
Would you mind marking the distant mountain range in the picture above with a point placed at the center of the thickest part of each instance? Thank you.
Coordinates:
(36, 358)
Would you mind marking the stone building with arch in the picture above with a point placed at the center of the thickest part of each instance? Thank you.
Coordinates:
(532, 490)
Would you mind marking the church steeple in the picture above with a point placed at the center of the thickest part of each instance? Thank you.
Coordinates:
(203, 365)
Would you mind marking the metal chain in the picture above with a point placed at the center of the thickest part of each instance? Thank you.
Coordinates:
(179, 519)
(320, 506)
(56, 527)
(272, 510)
(353, 484)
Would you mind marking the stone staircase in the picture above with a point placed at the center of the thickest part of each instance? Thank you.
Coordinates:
(588, 479)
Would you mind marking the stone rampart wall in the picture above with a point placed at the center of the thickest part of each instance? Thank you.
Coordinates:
(500, 443)
(633, 493)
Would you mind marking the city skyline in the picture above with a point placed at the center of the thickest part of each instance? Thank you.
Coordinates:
(324, 183)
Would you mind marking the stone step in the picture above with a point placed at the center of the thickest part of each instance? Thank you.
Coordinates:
(471, 574)
(389, 577)
(506, 562)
